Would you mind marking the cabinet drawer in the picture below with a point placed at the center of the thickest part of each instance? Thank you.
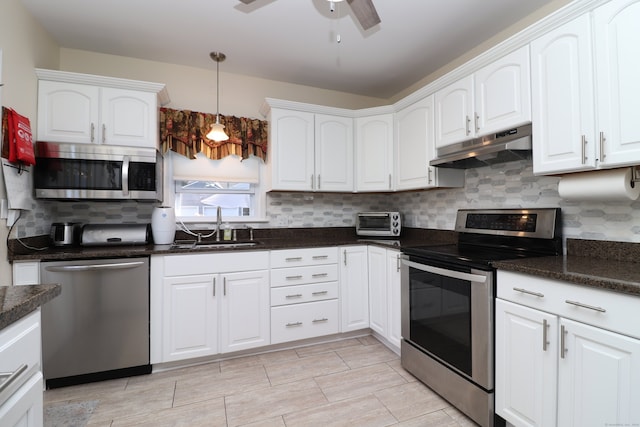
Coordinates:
(299, 257)
(303, 293)
(300, 321)
(304, 275)
(565, 299)
(20, 344)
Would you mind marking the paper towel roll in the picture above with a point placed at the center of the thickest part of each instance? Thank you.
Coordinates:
(603, 185)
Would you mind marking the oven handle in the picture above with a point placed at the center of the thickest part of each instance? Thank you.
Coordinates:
(448, 273)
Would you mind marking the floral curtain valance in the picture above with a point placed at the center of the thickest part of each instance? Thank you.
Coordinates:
(184, 131)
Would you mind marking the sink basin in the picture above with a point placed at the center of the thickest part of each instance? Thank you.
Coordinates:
(192, 244)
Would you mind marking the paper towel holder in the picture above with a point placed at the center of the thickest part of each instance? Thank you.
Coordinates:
(635, 175)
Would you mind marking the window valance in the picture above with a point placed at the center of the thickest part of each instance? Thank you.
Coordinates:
(183, 132)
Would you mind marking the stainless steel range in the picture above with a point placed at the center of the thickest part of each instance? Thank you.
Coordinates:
(448, 295)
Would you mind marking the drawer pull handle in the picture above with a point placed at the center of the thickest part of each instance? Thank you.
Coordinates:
(12, 377)
(324, 319)
(319, 275)
(294, 296)
(315, 294)
(524, 291)
(320, 257)
(294, 277)
(298, 258)
(590, 307)
(294, 324)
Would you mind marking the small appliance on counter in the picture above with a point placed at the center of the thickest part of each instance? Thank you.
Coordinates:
(65, 233)
(114, 234)
(163, 225)
(378, 224)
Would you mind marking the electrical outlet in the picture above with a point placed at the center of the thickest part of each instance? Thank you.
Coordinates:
(4, 209)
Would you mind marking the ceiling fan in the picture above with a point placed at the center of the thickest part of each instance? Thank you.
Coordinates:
(364, 10)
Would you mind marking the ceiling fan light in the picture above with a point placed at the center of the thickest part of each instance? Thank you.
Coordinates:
(217, 133)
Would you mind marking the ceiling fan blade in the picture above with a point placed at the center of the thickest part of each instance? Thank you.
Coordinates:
(247, 1)
(365, 12)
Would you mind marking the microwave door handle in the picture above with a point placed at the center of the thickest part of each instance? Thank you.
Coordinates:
(447, 273)
(377, 214)
(125, 176)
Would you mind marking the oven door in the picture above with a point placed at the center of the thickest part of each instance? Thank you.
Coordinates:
(447, 313)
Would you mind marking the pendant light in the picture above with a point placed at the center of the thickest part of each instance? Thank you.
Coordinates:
(217, 133)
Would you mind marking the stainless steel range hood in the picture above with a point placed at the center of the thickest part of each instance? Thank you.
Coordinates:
(500, 147)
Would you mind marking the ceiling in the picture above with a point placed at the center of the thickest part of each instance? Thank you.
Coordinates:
(293, 41)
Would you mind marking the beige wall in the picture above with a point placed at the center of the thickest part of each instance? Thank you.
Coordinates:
(25, 45)
(195, 88)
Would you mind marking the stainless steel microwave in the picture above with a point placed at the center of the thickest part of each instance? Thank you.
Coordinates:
(380, 224)
(101, 172)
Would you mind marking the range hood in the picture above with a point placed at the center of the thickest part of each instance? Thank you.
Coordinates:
(500, 147)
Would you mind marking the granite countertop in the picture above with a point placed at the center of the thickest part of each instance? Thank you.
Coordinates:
(267, 239)
(18, 301)
(613, 266)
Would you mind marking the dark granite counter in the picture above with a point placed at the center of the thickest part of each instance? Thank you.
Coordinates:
(18, 301)
(613, 266)
(267, 239)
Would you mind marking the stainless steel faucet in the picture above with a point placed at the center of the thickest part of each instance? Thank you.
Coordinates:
(218, 223)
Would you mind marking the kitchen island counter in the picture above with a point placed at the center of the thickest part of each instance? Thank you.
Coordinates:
(18, 301)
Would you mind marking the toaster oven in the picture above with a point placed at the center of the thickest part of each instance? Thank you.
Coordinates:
(379, 224)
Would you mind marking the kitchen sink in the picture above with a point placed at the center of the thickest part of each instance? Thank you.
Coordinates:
(191, 244)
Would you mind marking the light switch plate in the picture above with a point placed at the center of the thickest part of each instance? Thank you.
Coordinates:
(4, 209)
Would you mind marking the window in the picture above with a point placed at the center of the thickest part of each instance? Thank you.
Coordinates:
(202, 198)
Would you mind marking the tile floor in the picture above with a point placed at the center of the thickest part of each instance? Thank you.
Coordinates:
(355, 382)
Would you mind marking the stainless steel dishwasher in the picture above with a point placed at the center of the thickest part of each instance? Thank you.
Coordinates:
(98, 328)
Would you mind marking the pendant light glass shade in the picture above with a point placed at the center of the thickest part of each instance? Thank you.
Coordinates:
(217, 132)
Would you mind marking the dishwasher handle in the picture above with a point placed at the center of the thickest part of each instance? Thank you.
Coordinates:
(94, 267)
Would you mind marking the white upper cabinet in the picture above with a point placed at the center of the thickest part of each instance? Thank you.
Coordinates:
(617, 47)
(333, 153)
(291, 150)
(454, 112)
(310, 152)
(67, 112)
(564, 137)
(415, 148)
(503, 93)
(496, 97)
(583, 120)
(85, 109)
(374, 153)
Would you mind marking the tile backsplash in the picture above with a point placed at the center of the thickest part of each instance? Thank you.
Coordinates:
(504, 185)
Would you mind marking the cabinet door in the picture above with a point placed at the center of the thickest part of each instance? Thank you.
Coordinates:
(394, 334)
(67, 112)
(526, 369)
(562, 99)
(617, 69)
(378, 315)
(374, 153)
(128, 118)
(24, 407)
(454, 112)
(333, 153)
(598, 377)
(503, 93)
(190, 317)
(292, 150)
(244, 311)
(415, 146)
(354, 288)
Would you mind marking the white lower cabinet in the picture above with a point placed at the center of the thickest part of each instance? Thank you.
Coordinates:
(204, 304)
(354, 288)
(244, 311)
(566, 355)
(384, 293)
(304, 294)
(21, 397)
